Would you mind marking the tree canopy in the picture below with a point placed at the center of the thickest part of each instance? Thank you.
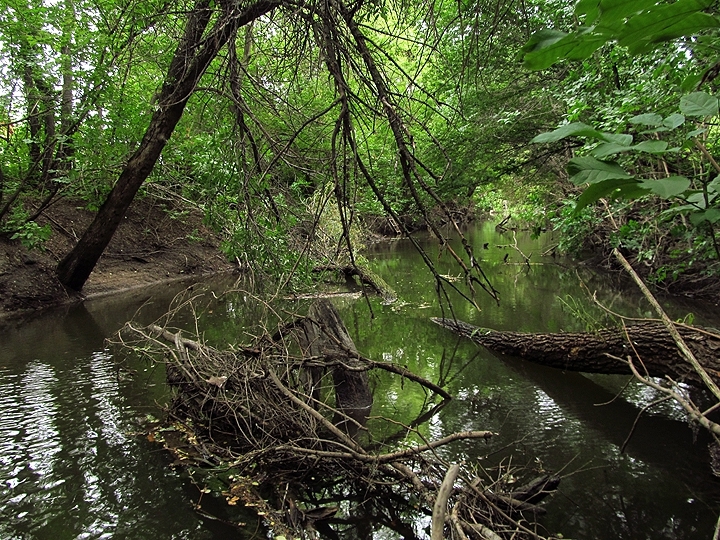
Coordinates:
(270, 114)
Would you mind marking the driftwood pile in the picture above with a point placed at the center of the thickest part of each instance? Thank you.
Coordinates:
(291, 409)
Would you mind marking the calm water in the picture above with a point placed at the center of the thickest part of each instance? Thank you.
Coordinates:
(72, 464)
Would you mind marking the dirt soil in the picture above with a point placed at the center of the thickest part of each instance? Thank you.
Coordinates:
(156, 242)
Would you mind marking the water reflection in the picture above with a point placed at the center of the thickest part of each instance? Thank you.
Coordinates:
(71, 467)
(660, 487)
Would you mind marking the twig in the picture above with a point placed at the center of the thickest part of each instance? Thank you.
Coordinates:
(441, 500)
(693, 412)
(637, 419)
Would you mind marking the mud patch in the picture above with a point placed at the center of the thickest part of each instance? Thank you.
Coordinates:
(157, 241)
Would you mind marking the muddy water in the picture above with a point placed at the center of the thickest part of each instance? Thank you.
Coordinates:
(72, 464)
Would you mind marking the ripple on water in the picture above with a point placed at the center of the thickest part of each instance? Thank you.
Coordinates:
(60, 441)
(30, 443)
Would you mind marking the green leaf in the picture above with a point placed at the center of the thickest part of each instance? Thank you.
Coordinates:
(602, 189)
(678, 210)
(647, 119)
(667, 187)
(695, 133)
(690, 82)
(549, 46)
(699, 104)
(609, 149)
(576, 129)
(655, 130)
(714, 186)
(624, 139)
(588, 169)
(615, 11)
(665, 22)
(711, 215)
(674, 121)
(651, 147)
(697, 200)
(589, 8)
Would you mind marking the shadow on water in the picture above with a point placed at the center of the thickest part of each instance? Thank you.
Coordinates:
(660, 487)
(664, 461)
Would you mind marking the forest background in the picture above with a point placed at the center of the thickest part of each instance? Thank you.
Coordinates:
(296, 127)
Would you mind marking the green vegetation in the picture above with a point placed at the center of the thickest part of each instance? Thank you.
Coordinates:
(291, 126)
(641, 143)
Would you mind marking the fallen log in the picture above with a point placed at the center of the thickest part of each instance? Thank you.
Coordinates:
(651, 348)
(366, 277)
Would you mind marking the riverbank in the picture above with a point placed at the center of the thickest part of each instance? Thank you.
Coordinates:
(157, 242)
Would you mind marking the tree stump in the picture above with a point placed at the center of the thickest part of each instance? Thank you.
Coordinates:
(325, 336)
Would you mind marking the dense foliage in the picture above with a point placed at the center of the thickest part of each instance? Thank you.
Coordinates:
(641, 134)
(310, 118)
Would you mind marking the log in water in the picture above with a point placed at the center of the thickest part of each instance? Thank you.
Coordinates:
(648, 344)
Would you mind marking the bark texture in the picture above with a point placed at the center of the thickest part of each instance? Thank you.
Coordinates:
(325, 336)
(651, 348)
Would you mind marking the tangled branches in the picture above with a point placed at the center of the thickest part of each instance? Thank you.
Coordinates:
(294, 405)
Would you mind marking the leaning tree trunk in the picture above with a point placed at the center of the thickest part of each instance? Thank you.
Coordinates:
(191, 59)
(653, 350)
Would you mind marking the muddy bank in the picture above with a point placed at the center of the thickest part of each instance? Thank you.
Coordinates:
(157, 242)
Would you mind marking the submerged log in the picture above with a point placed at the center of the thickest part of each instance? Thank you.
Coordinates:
(651, 349)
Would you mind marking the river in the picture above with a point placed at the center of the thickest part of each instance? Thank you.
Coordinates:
(74, 462)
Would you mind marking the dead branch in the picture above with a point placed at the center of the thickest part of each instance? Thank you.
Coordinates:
(670, 326)
(256, 408)
(441, 500)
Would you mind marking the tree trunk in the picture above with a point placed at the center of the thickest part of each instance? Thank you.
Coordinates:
(191, 59)
(325, 336)
(653, 351)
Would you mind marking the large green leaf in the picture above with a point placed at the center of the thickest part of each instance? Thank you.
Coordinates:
(695, 133)
(579, 129)
(623, 139)
(667, 187)
(613, 12)
(665, 22)
(587, 169)
(674, 121)
(712, 215)
(588, 8)
(699, 104)
(647, 119)
(605, 188)
(548, 46)
(651, 147)
(636, 24)
(609, 149)
(714, 185)
(575, 129)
